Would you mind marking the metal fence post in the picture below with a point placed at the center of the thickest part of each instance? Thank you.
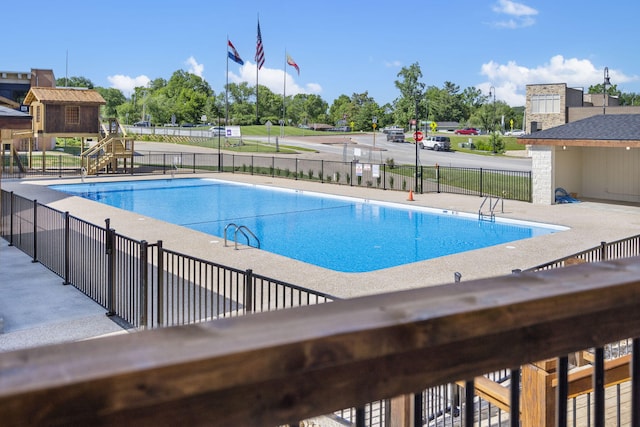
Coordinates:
(481, 189)
(322, 170)
(384, 176)
(66, 248)
(35, 231)
(194, 162)
(11, 213)
(160, 291)
(248, 291)
(164, 163)
(109, 243)
(144, 285)
(603, 251)
(418, 409)
(437, 178)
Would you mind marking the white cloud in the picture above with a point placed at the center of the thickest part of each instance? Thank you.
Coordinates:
(272, 78)
(510, 79)
(393, 64)
(194, 67)
(512, 8)
(520, 14)
(126, 84)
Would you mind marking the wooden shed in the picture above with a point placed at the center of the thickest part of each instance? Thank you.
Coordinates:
(64, 112)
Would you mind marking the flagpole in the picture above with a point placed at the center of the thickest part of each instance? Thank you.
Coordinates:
(284, 93)
(257, 70)
(226, 91)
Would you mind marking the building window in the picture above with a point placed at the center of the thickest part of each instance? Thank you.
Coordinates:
(72, 115)
(545, 104)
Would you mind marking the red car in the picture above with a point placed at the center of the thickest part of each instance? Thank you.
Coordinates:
(466, 131)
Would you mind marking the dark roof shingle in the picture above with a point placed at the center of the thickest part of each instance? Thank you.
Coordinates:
(605, 127)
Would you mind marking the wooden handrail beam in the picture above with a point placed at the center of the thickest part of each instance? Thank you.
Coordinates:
(278, 367)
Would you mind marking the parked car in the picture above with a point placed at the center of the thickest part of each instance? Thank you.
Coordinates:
(466, 131)
(143, 123)
(515, 133)
(391, 129)
(396, 135)
(437, 143)
(188, 125)
(218, 131)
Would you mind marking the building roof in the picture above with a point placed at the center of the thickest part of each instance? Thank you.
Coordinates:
(64, 95)
(9, 112)
(599, 130)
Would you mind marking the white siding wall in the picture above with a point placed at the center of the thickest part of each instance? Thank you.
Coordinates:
(612, 174)
(569, 169)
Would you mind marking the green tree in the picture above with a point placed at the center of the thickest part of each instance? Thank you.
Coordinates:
(341, 109)
(304, 109)
(114, 98)
(411, 99)
(74, 81)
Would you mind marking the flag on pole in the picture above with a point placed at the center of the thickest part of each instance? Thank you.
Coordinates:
(234, 55)
(291, 62)
(259, 49)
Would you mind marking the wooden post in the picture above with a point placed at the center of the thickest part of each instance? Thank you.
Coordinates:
(538, 403)
(400, 413)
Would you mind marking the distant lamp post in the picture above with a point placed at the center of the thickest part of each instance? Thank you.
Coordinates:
(492, 91)
(606, 84)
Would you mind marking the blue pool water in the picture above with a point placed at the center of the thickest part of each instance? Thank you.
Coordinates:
(338, 233)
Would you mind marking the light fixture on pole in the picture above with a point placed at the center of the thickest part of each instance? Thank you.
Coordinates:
(492, 91)
(605, 85)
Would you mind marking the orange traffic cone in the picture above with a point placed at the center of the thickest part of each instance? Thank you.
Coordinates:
(410, 196)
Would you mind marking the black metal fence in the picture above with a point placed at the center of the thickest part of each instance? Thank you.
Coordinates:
(514, 185)
(144, 284)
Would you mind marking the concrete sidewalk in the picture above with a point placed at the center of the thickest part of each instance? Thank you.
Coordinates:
(37, 309)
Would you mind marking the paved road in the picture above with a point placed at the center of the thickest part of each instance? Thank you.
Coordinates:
(363, 147)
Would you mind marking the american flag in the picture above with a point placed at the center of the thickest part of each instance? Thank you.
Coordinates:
(259, 49)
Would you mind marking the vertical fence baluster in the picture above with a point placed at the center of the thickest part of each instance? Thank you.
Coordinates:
(66, 248)
(562, 391)
(469, 408)
(111, 291)
(515, 398)
(160, 291)
(418, 410)
(598, 388)
(35, 231)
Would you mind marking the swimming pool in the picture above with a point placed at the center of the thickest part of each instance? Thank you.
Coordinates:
(338, 233)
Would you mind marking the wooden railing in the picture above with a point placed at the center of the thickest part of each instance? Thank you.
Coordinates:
(284, 366)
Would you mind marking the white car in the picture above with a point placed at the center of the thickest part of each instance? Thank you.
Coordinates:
(218, 131)
(515, 133)
(437, 143)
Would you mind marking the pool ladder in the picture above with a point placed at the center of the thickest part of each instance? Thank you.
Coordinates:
(491, 215)
(242, 230)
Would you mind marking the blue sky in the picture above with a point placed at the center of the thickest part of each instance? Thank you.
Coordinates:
(341, 47)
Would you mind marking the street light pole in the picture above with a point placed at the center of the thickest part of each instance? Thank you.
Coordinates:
(606, 83)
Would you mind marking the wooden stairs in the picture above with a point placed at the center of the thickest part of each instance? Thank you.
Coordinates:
(112, 153)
